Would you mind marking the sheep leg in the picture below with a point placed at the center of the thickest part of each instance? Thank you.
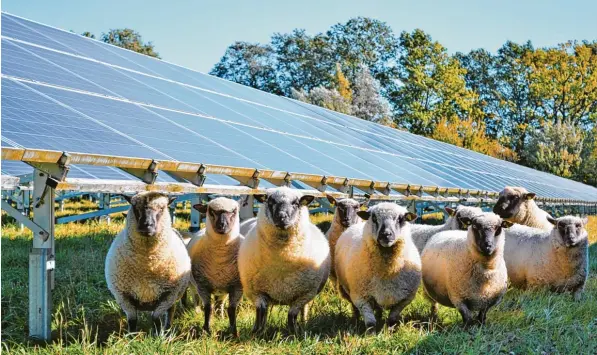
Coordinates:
(170, 316)
(396, 311)
(355, 313)
(366, 310)
(378, 312)
(260, 314)
(206, 300)
(233, 299)
(482, 315)
(434, 312)
(131, 313)
(466, 314)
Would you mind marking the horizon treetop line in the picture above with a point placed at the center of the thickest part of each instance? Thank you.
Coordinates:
(65, 92)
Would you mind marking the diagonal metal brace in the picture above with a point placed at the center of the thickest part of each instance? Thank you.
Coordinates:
(148, 175)
(34, 227)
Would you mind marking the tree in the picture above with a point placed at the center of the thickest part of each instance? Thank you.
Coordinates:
(131, 40)
(327, 98)
(471, 134)
(556, 148)
(365, 41)
(588, 169)
(249, 64)
(563, 82)
(343, 84)
(367, 102)
(88, 34)
(433, 86)
(303, 61)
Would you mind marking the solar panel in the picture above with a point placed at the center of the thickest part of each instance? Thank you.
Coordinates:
(62, 91)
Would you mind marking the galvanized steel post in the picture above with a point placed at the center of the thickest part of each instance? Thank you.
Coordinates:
(41, 260)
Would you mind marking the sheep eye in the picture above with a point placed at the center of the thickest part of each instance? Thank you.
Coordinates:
(578, 225)
(374, 219)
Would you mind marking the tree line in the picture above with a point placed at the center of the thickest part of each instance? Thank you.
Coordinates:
(532, 106)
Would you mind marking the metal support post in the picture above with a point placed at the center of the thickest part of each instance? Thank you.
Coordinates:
(246, 207)
(172, 210)
(41, 260)
(195, 215)
(105, 204)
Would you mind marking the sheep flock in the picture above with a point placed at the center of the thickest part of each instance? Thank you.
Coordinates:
(374, 256)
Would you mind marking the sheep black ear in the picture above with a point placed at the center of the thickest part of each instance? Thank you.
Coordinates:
(201, 207)
(364, 215)
(127, 198)
(410, 216)
(506, 224)
(467, 221)
(306, 200)
(260, 197)
(552, 220)
(332, 199)
(529, 196)
(171, 199)
(450, 211)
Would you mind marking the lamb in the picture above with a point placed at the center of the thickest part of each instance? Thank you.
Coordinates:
(377, 263)
(557, 259)
(147, 266)
(214, 255)
(285, 259)
(345, 217)
(466, 269)
(517, 205)
(421, 233)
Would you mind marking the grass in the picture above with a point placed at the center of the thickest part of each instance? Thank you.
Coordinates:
(87, 320)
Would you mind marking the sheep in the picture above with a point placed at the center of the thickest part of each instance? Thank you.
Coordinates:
(284, 259)
(557, 259)
(517, 205)
(214, 255)
(466, 269)
(345, 217)
(377, 264)
(147, 266)
(421, 233)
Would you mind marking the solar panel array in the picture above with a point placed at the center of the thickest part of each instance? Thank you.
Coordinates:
(62, 91)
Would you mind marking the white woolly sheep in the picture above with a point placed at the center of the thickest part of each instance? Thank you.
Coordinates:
(214, 256)
(557, 259)
(517, 205)
(466, 269)
(377, 264)
(285, 258)
(344, 217)
(147, 266)
(421, 233)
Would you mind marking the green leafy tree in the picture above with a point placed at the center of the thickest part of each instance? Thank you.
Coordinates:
(556, 148)
(365, 41)
(88, 34)
(131, 40)
(433, 86)
(249, 64)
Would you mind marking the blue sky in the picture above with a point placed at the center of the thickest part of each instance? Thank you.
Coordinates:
(195, 34)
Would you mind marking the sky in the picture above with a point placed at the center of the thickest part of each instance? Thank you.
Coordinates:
(195, 34)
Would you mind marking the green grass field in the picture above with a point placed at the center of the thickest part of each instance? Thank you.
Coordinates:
(87, 320)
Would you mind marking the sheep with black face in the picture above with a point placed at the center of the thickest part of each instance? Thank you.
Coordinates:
(517, 205)
(147, 266)
(344, 217)
(377, 264)
(421, 233)
(284, 258)
(466, 269)
(214, 257)
(556, 259)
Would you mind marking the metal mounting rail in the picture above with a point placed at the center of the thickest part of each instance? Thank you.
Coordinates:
(193, 174)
